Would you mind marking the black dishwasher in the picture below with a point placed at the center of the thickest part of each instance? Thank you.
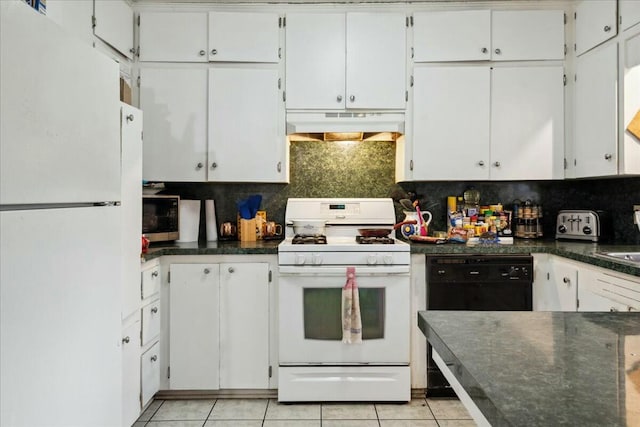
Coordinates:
(475, 282)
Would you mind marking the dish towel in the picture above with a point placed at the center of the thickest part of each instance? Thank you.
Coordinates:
(351, 320)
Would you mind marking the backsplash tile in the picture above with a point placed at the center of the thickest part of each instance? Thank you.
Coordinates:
(367, 169)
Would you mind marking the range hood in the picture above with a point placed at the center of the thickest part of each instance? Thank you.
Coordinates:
(323, 122)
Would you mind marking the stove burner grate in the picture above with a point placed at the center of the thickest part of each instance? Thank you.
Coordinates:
(374, 240)
(300, 239)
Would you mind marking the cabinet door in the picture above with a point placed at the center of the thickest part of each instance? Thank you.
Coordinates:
(193, 322)
(596, 22)
(150, 321)
(131, 163)
(174, 101)
(596, 113)
(629, 13)
(527, 35)
(452, 35)
(173, 36)
(244, 325)
(114, 25)
(131, 372)
(376, 60)
(446, 98)
(315, 62)
(246, 118)
(630, 149)
(561, 290)
(243, 37)
(527, 123)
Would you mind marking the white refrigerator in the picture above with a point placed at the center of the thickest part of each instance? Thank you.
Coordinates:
(60, 227)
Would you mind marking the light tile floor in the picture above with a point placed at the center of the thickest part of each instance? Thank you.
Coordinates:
(270, 413)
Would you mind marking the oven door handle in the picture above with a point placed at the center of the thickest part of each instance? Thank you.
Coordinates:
(290, 270)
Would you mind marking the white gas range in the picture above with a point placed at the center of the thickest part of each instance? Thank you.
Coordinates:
(314, 363)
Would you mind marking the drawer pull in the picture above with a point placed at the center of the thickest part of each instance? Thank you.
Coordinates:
(126, 340)
(154, 310)
(154, 274)
(154, 358)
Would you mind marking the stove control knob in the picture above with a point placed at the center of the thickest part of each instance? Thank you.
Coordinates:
(388, 259)
(586, 229)
(562, 228)
(300, 259)
(316, 259)
(372, 259)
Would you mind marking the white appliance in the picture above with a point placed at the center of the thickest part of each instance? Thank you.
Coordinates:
(314, 363)
(60, 227)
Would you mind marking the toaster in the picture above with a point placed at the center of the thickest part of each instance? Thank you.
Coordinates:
(581, 225)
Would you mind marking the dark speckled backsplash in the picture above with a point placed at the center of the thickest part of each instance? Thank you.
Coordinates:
(367, 169)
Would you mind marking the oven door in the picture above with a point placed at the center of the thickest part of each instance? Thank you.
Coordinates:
(310, 301)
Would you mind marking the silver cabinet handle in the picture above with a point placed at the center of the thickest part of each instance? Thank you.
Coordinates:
(154, 310)
(484, 50)
(214, 165)
(154, 358)
(126, 340)
(199, 166)
(352, 98)
(481, 163)
(497, 51)
(207, 271)
(608, 156)
(607, 28)
(613, 309)
(214, 51)
(566, 280)
(202, 52)
(231, 270)
(154, 274)
(279, 167)
(339, 98)
(496, 164)
(130, 118)
(132, 50)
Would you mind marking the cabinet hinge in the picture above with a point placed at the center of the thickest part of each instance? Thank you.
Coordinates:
(270, 371)
(411, 165)
(565, 19)
(168, 371)
(140, 398)
(411, 20)
(575, 77)
(138, 81)
(140, 335)
(270, 276)
(575, 47)
(138, 51)
(575, 162)
(564, 79)
(577, 303)
(565, 49)
(411, 81)
(620, 20)
(284, 22)
(169, 277)
(141, 134)
(94, 21)
(406, 95)
(279, 83)
(575, 15)
(284, 96)
(548, 276)
(412, 52)
(279, 21)
(279, 53)
(565, 164)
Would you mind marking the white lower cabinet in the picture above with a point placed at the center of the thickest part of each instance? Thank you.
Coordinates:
(131, 370)
(219, 326)
(150, 373)
(193, 326)
(602, 290)
(555, 286)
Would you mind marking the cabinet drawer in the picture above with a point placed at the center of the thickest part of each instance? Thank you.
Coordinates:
(150, 282)
(150, 373)
(618, 289)
(150, 321)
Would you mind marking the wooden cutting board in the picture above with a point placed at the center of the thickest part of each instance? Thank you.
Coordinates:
(634, 126)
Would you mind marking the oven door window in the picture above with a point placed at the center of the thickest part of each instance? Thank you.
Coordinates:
(322, 313)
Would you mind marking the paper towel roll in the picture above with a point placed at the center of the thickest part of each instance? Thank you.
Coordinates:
(189, 220)
(210, 219)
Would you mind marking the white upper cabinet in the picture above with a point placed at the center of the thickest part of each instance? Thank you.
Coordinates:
(527, 35)
(113, 23)
(173, 36)
(244, 37)
(629, 13)
(508, 121)
(596, 22)
(630, 148)
(527, 123)
(240, 95)
(354, 60)
(596, 113)
(452, 35)
(174, 101)
(475, 35)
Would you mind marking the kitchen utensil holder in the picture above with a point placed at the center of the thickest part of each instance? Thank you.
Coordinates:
(247, 230)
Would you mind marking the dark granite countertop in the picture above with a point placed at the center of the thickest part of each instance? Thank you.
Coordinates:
(543, 368)
(578, 251)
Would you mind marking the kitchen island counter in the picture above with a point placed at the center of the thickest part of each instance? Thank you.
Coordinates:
(543, 368)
